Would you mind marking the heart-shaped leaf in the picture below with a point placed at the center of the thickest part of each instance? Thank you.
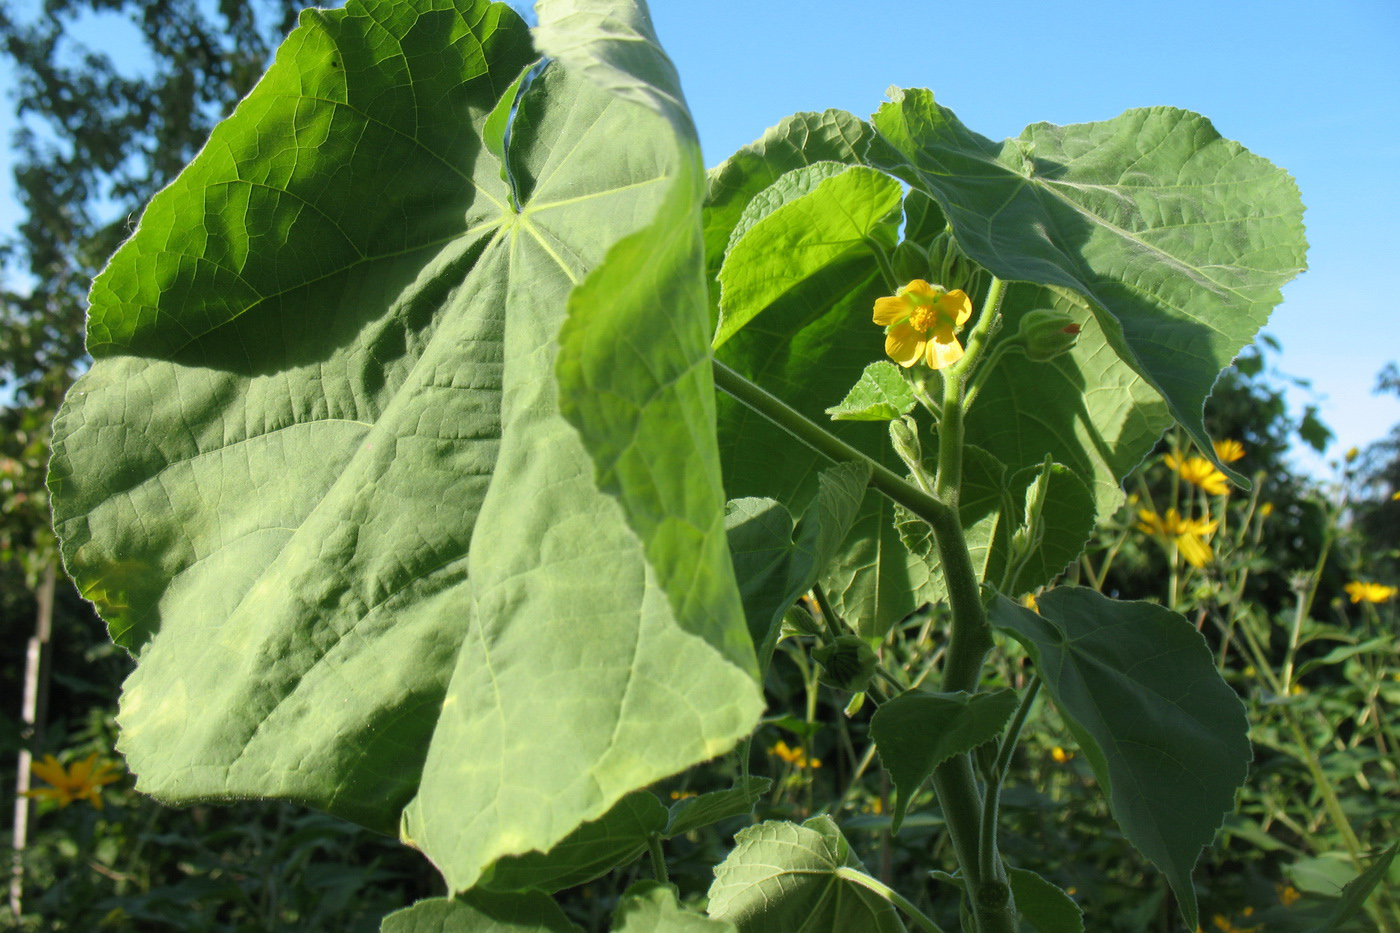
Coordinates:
(1166, 736)
(782, 877)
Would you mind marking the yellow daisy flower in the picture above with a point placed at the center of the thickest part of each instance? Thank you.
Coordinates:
(1189, 534)
(1361, 591)
(1228, 451)
(1199, 471)
(83, 781)
(923, 321)
(794, 756)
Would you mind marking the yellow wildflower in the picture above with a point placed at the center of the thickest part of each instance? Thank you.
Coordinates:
(1360, 590)
(1029, 602)
(1189, 534)
(922, 321)
(1288, 895)
(83, 781)
(794, 756)
(1228, 451)
(1199, 472)
(1266, 510)
(1060, 755)
(682, 794)
(1395, 496)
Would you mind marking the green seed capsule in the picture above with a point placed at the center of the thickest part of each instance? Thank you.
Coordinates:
(848, 663)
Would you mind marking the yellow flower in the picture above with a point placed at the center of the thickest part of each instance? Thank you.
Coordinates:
(682, 794)
(1029, 602)
(923, 321)
(1228, 451)
(83, 781)
(794, 756)
(1189, 534)
(1060, 755)
(1266, 510)
(1359, 590)
(1200, 472)
(1288, 895)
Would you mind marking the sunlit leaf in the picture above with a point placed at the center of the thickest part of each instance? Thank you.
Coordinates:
(693, 813)
(651, 907)
(1179, 239)
(881, 394)
(324, 480)
(782, 877)
(480, 912)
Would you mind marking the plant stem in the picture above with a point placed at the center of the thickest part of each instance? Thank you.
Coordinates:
(824, 442)
(921, 920)
(658, 858)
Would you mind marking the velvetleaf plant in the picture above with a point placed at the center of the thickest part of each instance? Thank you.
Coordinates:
(402, 471)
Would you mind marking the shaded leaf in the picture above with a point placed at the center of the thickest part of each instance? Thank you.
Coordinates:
(651, 907)
(1043, 905)
(782, 877)
(592, 850)
(1179, 239)
(481, 912)
(881, 394)
(1357, 890)
(1166, 736)
(693, 813)
(776, 563)
(919, 730)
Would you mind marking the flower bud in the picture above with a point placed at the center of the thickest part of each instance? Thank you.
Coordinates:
(1047, 333)
(798, 621)
(904, 436)
(848, 663)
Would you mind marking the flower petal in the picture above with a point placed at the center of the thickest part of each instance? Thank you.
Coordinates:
(890, 310)
(904, 344)
(943, 349)
(956, 306)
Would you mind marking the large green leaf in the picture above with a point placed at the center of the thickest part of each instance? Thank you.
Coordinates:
(1166, 736)
(782, 877)
(1179, 239)
(371, 552)
(480, 912)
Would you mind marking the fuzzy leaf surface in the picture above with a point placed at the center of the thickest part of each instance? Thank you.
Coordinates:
(327, 477)
(781, 877)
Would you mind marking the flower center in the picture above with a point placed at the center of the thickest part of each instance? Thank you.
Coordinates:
(921, 319)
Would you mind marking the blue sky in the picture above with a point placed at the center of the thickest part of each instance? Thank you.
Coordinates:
(1313, 86)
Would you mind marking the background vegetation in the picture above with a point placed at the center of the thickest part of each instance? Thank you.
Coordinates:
(1319, 669)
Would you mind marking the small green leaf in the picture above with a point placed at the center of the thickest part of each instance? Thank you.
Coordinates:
(1357, 890)
(843, 216)
(789, 187)
(651, 907)
(1043, 905)
(693, 813)
(1340, 654)
(1067, 520)
(919, 730)
(481, 912)
(882, 394)
(1166, 736)
(595, 848)
(781, 877)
